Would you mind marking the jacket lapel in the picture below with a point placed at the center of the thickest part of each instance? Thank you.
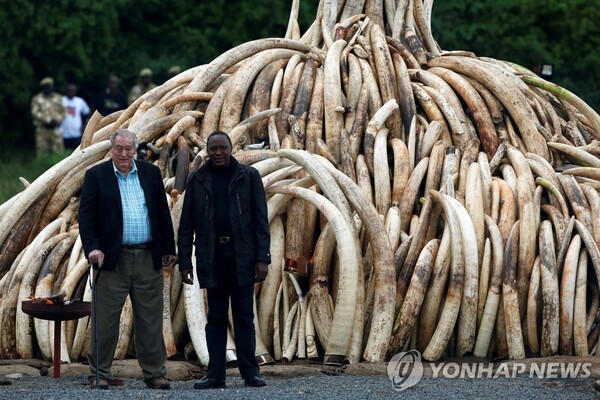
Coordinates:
(112, 186)
(145, 184)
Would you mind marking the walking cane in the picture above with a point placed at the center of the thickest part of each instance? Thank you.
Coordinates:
(95, 320)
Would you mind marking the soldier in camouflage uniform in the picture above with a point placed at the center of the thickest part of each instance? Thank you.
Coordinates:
(143, 86)
(48, 112)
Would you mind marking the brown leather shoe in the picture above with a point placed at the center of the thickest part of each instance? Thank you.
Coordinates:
(158, 383)
(102, 383)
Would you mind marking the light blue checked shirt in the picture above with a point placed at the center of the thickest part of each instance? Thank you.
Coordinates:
(136, 220)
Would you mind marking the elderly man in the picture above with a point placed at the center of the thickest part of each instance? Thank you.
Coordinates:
(126, 231)
(48, 112)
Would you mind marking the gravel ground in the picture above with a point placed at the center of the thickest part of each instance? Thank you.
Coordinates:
(308, 387)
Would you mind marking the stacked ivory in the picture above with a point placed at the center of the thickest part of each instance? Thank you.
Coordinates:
(449, 202)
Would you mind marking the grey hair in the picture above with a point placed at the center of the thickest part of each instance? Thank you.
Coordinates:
(124, 133)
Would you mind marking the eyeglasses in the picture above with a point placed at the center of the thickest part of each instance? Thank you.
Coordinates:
(119, 149)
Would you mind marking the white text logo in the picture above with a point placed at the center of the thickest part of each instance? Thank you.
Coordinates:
(405, 370)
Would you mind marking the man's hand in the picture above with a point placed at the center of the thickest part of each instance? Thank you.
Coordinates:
(261, 271)
(168, 261)
(96, 257)
(187, 277)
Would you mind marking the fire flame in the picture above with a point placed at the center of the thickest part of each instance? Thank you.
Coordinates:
(41, 300)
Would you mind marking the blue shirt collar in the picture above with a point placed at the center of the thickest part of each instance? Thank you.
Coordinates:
(133, 168)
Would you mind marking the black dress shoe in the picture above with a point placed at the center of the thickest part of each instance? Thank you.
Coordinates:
(208, 383)
(256, 381)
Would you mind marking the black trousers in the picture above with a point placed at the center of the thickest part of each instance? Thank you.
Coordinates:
(242, 309)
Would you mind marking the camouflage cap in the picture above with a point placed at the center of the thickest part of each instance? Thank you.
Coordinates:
(145, 72)
(174, 70)
(47, 81)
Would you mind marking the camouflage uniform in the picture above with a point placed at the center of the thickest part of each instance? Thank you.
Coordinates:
(48, 113)
(138, 90)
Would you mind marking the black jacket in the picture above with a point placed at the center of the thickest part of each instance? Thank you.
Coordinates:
(249, 224)
(101, 213)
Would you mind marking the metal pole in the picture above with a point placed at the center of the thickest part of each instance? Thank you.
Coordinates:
(95, 322)
(57, 357)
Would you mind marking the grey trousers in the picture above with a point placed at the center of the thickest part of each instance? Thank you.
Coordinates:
(135, 276)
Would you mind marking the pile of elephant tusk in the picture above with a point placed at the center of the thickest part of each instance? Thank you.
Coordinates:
(449, 203)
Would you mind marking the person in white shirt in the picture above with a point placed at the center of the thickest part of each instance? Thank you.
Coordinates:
(77, 112)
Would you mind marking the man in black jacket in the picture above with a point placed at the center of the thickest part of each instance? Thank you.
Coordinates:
(127, 233)
(225, 206)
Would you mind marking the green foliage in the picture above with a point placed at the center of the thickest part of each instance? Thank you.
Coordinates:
(22, 163)
(16, 72)
(85, 41)
(70, 40)
(528, 32)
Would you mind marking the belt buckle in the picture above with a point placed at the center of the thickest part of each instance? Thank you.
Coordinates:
(224, 239)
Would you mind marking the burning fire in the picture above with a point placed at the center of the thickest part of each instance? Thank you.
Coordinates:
(44, 300)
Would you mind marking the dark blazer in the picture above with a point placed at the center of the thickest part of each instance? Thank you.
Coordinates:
(249, 224)
(101, 213)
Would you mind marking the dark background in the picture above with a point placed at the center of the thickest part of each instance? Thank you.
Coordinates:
(84, 41)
